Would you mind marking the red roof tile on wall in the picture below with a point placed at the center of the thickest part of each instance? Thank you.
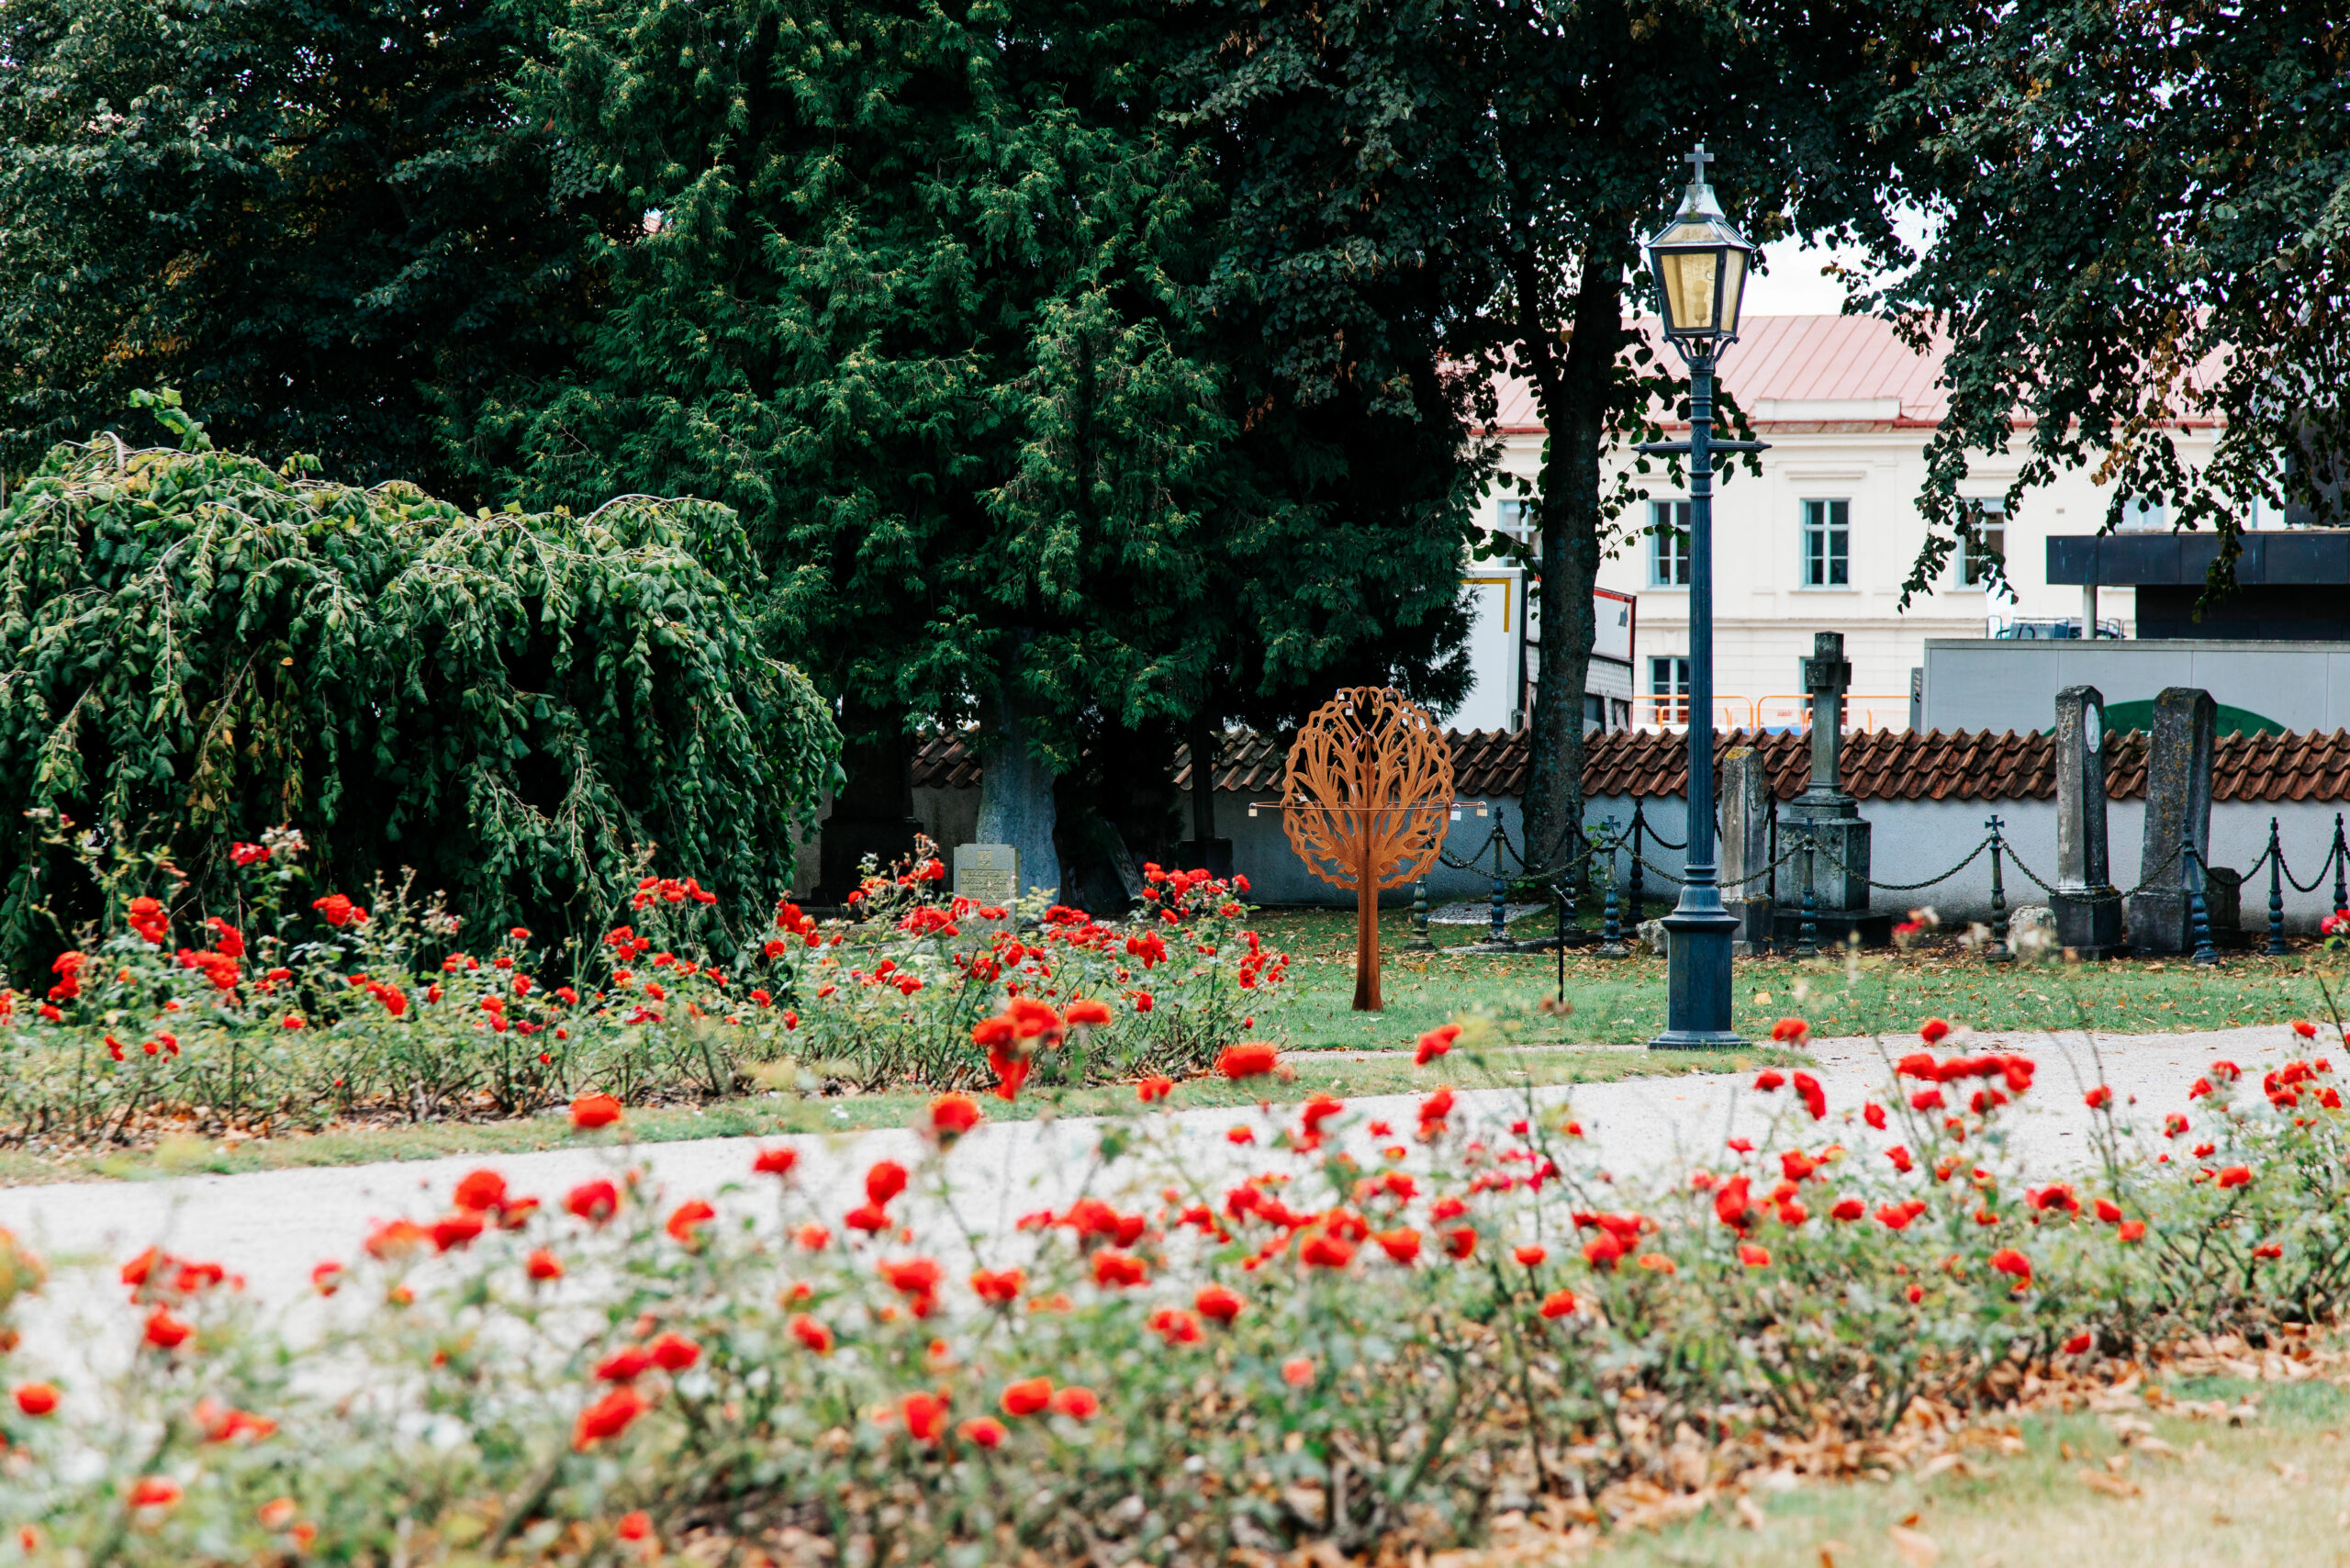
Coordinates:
(1878, 764)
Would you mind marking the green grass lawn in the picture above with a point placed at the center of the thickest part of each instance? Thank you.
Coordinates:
(2273, 1492)
(1621, 1002)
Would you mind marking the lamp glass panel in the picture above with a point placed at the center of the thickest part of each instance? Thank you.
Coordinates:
(1733, 285)
(1689, 283)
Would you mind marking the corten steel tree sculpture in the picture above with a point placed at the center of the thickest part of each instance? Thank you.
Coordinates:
(1365, 801)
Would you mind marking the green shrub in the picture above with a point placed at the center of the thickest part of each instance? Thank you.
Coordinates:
(195, 647)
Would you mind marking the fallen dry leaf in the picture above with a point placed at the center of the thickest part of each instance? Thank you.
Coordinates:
(2111, 1486)
(1748, 1515)
(1827, 1550)
(1916, 1548)
(2293, 1473)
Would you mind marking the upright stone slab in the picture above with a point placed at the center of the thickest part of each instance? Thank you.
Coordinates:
(1824, 811)
(2087, 909)
(1746, 848)
(2178, 803)
(987, 872)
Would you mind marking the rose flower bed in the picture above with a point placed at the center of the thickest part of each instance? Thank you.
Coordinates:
(1380, 1337)
(292, 1012)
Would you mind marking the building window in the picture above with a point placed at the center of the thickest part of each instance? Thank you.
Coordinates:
(1515, 518)
(2143, 514)
(1668, 545)
(1668, 685)
(1989, 544)
(1828, 544)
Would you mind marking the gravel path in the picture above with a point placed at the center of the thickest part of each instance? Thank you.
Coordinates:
(273, 1226)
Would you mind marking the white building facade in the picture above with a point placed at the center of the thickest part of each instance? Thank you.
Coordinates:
(1822, 541)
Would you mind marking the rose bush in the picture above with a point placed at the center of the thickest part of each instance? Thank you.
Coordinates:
(293, 1010)
(1354, 1332)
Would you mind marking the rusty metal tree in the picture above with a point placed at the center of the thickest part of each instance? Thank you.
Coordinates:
(1365, 801)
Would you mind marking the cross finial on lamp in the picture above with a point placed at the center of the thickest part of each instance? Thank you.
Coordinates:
(1697, 161)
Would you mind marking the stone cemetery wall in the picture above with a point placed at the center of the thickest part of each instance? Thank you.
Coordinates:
(1926, 796)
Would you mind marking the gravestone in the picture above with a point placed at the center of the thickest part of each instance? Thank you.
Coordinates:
(2178, 804)
(2223, 906)
(2087, 909)
(1746, 848)
(2032, 932)
(1829, 817)
(988, 873)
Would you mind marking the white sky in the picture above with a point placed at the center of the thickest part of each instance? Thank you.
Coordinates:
(1791, 284)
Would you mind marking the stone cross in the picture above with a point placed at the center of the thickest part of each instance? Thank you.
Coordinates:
(2088, 911)
(1824, 814)
(1746, 846)
(1827, 675)
(2178, 804)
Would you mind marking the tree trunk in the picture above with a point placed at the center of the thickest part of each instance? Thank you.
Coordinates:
(1202, 740)
(1367, 997)
(1574, 387)
(1016, 796)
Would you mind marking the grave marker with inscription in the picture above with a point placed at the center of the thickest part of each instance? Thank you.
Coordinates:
(2178, 804)
(987, 872)
(2087, 909)
(1746, 848)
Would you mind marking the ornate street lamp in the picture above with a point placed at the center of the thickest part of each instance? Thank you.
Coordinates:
(1700, 263)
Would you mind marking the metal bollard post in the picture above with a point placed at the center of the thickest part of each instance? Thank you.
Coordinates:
(1998, 951)
(1564, 905)
(2340, 866)
(1611, 926)
(1807, 937)
(2199, 912)
(2276, 893)
(1635, 892)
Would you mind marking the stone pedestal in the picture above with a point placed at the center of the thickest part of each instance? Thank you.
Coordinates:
(2223, 907)
(2086, 908)
(2178, 804)
(1831, 817)
(1214, 857)
(1746, 848)
(1833, 929)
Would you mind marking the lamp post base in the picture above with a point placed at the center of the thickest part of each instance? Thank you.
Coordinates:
(1690, 1040)
(1698, 982)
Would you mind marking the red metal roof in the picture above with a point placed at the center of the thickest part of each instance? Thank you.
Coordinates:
(1814, 359)
(1798, 358)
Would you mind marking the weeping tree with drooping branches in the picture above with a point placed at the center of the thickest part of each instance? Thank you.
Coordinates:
(195, 647)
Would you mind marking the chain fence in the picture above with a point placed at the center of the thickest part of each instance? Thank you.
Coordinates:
(2184, 871)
